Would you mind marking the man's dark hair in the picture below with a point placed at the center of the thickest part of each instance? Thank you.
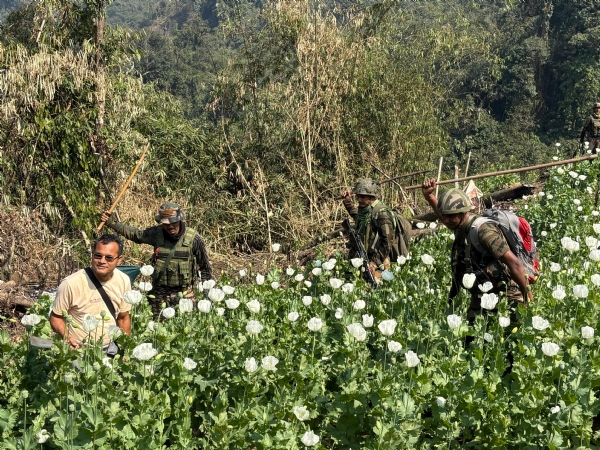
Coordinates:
(106, 239)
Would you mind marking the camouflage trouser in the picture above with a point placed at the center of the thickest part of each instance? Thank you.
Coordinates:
(163, 294)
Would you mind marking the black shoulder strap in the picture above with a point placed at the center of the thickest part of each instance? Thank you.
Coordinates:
(103, 294)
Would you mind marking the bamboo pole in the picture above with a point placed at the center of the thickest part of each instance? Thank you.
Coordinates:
(505, 172)
(439, 175)
(388, 180)
(468, 162)
(125, 186)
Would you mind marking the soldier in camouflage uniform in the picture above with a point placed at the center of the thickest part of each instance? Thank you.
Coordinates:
(375, 225)
(591, 130)
(497, 264)
(179, 254)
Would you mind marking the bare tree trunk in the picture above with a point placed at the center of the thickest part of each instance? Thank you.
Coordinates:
(100, 75)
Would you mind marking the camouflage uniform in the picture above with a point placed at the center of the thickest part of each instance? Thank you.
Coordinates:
(591, 130)
(185, 254)
(375, 226)
(486, 266)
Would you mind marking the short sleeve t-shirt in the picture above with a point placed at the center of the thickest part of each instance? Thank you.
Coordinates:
(78, 296)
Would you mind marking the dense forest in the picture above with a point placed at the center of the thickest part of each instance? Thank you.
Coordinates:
(259, 113)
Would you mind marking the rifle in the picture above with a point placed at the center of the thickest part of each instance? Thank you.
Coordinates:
(362, 253)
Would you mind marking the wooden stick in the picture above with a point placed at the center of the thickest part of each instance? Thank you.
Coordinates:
(125, 186)
(505, 172)
(468, 162)
(439, 175)
(388, 180)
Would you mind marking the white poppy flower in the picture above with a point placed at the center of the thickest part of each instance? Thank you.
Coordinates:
(189, 364)
(401, 260)
(387, 327)
(299, 277)
(367, 320)
(580, 291)
(394, 346)
(228, 289)
(307, 283)
(253, 306)
(427, 259)
(488, 337)
(276, 247)
(208, 284)
(145, 286)
(441, 401)
(275, 285)
(503, 321)
(289, 271)
(260, 279)
(550, 196)
(595, 255)
(412, 360)
(269, 363)
(204, 306)
(114, 332)
(339, 313)
(232, 303)
(220, 311)
(132, 297)
(315, 324)
(539, 323)
(326, 298)
(596, 279)
(433, 225)
(317, 271)
(596, 227)
(550, 348)
(216, 295)
(587, 332)
(293, 316)
(357, 331)
(250, 365)
(335, 283)
(555, 409)
(318, 263)
(569, 244)
(469, 280)
(577, 201)
(359, 305)
(243, 273)
(348, 288)
(486, 287)
(43, 436)
(454, 321)
(489, 301)
(31, 320)
(310, 439)
(420, 225)
(560, 170)
(573, 174)
(356, 262)
(168, 313)
(147, 270)
(559, 293)
(89, 323)
(254, 327)
(107, 361)
(330, 265)
(301, 413)
(185, 305)
(152, 326)
(307, 300)
(144, 352)
(554, 267)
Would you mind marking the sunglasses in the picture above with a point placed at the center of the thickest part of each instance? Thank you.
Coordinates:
(108, 258)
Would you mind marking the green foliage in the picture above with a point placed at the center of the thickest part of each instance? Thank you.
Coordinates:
(359, 392)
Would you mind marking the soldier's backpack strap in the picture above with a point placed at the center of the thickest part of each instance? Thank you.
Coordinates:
(468, 262)
(378, 208)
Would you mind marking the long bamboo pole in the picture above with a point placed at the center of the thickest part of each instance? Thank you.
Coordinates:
(125, 186)
(505, 172)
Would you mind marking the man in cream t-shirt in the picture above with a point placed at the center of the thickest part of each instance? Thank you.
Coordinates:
(77, 296)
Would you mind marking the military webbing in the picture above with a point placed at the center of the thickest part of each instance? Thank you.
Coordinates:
(158, 273)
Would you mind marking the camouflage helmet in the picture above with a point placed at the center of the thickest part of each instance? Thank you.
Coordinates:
(454, 201)
(169, 213)
(366, 186)
(596, 105)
